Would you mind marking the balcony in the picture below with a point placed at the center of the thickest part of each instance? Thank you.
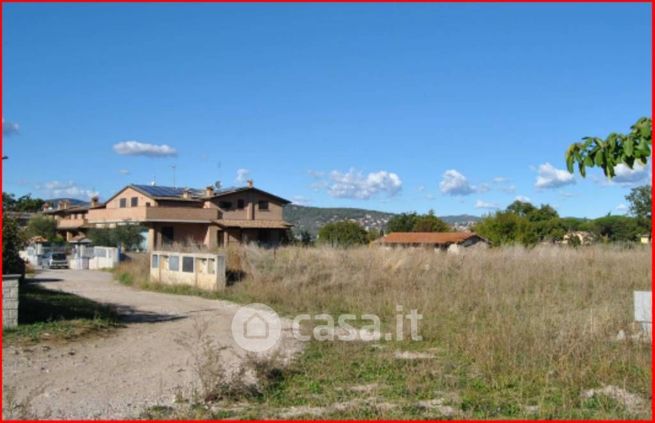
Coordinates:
(153, 214)
(70, 223)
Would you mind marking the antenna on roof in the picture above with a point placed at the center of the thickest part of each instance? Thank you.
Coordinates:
(154, 181)
(173, 167)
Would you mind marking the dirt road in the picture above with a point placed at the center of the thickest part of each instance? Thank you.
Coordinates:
(140, 365)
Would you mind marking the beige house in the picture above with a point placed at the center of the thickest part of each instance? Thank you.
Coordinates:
(210, 218)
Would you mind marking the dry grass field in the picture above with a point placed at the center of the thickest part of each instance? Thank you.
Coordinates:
(507, 332)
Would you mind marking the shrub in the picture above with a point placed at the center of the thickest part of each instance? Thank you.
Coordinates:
(343, 234)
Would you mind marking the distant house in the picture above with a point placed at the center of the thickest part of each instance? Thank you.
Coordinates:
(207, 217)
(645, 238)
(578, 237)
(439, 240)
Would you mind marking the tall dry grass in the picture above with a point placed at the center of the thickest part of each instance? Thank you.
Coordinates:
(519, 326)
(543, 319)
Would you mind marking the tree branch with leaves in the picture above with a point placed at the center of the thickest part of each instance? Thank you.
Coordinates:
(628, 149)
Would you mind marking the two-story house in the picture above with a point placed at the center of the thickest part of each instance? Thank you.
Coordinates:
(208, 217)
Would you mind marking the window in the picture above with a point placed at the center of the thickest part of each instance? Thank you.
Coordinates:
(262, 204)
(240, 204)
(211, 265)
(187, 264)
(122, 203)
(225, 205)
(167, 235)
(147, 203)
(134, 201)
(174, 263)
(155, 261)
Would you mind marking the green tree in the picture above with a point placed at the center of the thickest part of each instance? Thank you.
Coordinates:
(45, 226)
(343, 234)
(616, 228)
(12, 243)
(374, 234)
(521, 208)
(545, 212)
(403, 222)
(23, 204)
(127, 236)
(503, 227)
(640, 200)
(629, 149)
(430, 223)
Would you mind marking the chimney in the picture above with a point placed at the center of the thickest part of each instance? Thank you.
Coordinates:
(209, 191)
(94, 201)
(250, 183)
(62, 204)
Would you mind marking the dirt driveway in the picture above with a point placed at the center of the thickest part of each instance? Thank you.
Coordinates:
(140, 365)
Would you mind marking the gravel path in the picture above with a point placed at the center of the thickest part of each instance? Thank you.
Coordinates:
(140, 365)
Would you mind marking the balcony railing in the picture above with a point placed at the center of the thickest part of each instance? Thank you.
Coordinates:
(70, 223)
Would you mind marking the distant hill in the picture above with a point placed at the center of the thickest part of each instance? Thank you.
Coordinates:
(312, 219)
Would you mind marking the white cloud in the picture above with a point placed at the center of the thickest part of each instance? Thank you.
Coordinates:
(242, 176)
(523, 199)
(627, 176)
(354, 184)
(135, 148)
(54, 189)
(549, 176)
(9, 128)
(123, 171)
(454, 183)
(622, 208)
(480, 204)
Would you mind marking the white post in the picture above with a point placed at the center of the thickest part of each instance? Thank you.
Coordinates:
(643, 310)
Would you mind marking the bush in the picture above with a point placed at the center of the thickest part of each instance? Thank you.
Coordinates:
(343, 234)
(12, 243)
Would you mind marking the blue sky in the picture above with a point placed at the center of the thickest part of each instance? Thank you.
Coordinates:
(453, 107)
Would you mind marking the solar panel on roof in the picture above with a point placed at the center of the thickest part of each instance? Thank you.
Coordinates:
(162, 191)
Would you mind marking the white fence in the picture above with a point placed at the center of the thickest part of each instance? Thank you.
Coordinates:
(204, 271)
(94, 258)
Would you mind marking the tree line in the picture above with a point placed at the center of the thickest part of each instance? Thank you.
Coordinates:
(526, 224)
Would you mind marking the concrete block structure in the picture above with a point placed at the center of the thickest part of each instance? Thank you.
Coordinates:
(10, 300)
(199, 270)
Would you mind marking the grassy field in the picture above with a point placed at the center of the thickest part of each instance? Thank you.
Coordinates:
(57, 316)
(507, 333)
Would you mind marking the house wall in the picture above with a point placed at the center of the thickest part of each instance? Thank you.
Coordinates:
(127, 194)
(250, 210)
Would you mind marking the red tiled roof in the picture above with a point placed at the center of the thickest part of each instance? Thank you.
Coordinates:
(427, 237)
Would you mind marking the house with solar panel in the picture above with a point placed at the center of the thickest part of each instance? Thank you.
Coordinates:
(203, 217)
